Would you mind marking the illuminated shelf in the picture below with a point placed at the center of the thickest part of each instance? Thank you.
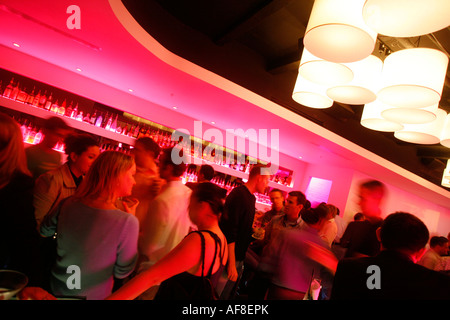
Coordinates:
(80, 125)
(235, 173)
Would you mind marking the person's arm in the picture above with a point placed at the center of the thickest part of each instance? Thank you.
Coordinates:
(185, 256)
(127, 250)
(46, 192)
(153, 230)
(231, 266)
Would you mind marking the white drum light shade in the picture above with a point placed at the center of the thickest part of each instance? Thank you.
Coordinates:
(445, 135)
(406, 18)
(310, 94)
(429, 133)
(446, 175)
(411, 115)
(413, 78)
(336, 31)
(365, 84)
(322, 71)
(371, 118)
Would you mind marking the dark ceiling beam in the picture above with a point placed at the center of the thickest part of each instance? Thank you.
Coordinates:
(251, 20)
(439, 152)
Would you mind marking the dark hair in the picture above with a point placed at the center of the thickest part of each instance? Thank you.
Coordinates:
(301, 198)
(79, 143)
(207, 171)
(358, 217)
(402, 230)
(178, 168)
(258, 169)
(150, 145)
(313, 216)
(374, 186)
(54, 123)
(212, 194)
(437, 241)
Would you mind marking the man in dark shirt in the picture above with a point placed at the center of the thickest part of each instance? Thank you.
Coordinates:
(360, 236)
(237, 223)
(393, 274)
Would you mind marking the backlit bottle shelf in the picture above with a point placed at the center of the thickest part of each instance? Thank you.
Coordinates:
(76, 124)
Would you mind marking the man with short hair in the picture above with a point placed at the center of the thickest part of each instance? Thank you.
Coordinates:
(290, 219)
(148, 182)
(237, 222)
(360, 236)
(433, 256)
(393, 274)
(277, 198)
(167, 221)
(42, 157)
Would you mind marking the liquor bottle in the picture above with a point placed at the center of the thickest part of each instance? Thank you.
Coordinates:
(30, 97)
(114, 124)
(15, 92)
(54, 108)
(9, 88)
(48, 103)
(119, 129)
(35, 102)
(62, 109)
(79, 116)
(99, 120)
(109, 122)
(43, 100)
(38, 137)
(22, 96)
(131, 131)
(87, 118)
(93, 118)
(31, 135)
(125, 130)
(136, 131)
(105, 120)
(74, 113)
(69, 109)
(24, 129)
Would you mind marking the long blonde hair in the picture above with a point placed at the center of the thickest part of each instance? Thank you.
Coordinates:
(103, 175)
(12, 150)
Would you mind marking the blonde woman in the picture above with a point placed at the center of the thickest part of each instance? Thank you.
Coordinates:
(200, 254)
(18, 235)
(95, 241)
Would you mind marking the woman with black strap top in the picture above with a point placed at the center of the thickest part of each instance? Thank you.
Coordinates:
(202, 254)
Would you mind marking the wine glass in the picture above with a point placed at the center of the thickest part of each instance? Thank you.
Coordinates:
(11, 283)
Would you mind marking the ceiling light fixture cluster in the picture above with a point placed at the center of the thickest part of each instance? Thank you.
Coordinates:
(400, 94)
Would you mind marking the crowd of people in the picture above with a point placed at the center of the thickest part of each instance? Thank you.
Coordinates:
(135, 231)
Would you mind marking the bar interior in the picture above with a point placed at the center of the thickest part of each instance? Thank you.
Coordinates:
(124, 70)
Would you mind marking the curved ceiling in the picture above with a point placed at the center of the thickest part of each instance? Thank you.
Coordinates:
(113, 53)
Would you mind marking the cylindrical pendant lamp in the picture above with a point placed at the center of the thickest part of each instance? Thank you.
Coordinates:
(428, 133)
(411, 115)
(336, 31)
(445, 135)
(311, 94)
(413, 78)
(406, 18)
(322, 71)
(365, 84)
(371, 118)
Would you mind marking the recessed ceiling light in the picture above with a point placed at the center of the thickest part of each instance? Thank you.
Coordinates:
(213, 122)
(300, 157)
(78, 69)
(15, 44)
(131, 90)
(174, 107)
